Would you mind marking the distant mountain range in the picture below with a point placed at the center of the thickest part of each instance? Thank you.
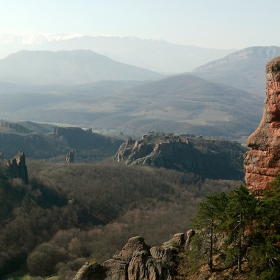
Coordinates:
(244, 69)
(180, 104)
(67, 67)
(34, 39)
(153, 54)
(222, 98)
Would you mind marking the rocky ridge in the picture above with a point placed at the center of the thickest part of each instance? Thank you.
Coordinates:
(248, 53)
(88, 146)
(138, 261)
(263, 161)
(217, 159)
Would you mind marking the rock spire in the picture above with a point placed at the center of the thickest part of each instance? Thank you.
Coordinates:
(262, 163)
(17, 167)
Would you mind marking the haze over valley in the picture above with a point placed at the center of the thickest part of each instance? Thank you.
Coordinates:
(154, 54)
(139, 140)
(85, 89)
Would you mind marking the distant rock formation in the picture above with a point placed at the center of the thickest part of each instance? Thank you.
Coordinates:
(137, 261)
(88, 146)
(262, 163)
(71, 131)
(217, 159)
(70, 156)
(17, 167)
(15, 127)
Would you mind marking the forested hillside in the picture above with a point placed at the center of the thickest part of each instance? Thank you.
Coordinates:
(237, 237)
(88, 146)
(69, 214)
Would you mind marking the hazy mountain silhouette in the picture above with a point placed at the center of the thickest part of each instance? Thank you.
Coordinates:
(67, 67)
(154, 54)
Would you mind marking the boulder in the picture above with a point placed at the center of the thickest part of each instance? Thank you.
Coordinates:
(176, 242)
(88, 271)
(262, 162)
(162, 253)
(134, 244)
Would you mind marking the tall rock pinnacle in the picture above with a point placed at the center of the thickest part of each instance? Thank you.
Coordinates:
(262, 163)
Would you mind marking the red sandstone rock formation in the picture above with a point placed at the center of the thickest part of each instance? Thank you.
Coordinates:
(262, 163)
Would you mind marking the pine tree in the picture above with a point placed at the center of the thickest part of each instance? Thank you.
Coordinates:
(240, 214)
(264, 255)
(209, 217)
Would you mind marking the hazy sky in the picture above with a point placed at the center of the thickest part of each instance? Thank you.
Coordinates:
(206, 23)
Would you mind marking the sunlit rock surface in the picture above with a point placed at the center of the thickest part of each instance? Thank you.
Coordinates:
(262, 163)
(137, 261)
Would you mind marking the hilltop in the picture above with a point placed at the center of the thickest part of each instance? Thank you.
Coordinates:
(67, 68)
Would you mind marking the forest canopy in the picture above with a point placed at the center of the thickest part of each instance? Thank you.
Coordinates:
(74, 213)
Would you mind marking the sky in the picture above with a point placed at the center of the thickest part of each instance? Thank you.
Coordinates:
(222, 24)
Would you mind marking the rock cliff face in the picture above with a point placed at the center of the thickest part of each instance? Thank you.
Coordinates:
(17, 167)
(262, 163)
(137, 261)
(216, 159)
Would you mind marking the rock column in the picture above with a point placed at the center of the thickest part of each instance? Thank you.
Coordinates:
(17, 167)
(262, 163)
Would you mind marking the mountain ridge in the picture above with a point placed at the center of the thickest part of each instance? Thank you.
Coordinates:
(243, 69)
(67, 67)
(153, 54)
(262, 52)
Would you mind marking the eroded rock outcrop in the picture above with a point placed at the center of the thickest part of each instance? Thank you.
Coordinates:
(137, 261)
(17, 167)
(262, 163)
(216, 159)
(70, 156)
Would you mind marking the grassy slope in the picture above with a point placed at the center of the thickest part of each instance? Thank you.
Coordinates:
(247, 75)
